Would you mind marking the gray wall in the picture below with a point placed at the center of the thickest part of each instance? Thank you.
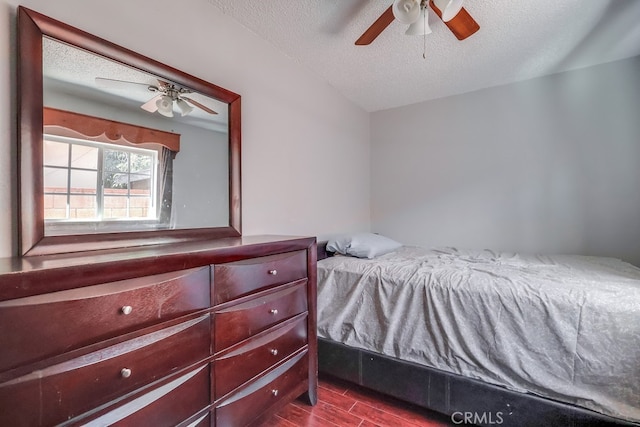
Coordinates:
(200, 186)
(547, 165)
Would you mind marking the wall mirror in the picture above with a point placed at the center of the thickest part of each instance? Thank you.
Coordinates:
(118, 150)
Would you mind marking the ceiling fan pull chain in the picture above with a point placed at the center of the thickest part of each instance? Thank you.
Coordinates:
(424, 36)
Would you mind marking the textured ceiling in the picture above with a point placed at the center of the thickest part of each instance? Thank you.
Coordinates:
(518, 40)
(72, 70)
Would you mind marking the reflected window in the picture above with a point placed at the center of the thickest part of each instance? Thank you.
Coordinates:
(92, 181)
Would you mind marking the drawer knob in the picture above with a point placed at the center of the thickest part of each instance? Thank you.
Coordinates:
(273, 272)
(127, 309)
(274, 392)
(273, 311)
(274, 351)
(125, 372)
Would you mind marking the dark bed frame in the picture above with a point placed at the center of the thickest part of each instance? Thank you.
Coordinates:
(466, 400)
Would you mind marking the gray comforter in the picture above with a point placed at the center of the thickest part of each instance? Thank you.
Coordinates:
(564, 327)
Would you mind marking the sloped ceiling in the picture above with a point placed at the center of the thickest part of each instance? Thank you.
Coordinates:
(518, 40)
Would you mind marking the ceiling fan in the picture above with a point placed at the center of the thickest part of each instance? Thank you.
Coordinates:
(410, 12)
(167, 95)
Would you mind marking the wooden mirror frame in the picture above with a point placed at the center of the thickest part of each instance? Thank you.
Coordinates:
(32, 27)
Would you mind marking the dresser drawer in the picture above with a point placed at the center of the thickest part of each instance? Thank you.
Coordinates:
(199, 420)
(248, 403)
(165, 406)
(58, 322)
(71, 388)
(243, 362)
(237, 322)
(241, 278)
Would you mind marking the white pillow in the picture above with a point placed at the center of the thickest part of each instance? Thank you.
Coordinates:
(363, 245)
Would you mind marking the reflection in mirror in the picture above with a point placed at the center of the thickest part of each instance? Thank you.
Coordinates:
(99, 177)
(118, 150)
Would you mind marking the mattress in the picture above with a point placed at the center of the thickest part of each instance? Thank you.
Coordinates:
(561, 327)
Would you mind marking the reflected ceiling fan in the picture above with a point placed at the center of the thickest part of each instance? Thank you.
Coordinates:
(415, 14)
(167, 95)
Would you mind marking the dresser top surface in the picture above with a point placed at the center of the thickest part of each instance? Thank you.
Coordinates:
(24, 276)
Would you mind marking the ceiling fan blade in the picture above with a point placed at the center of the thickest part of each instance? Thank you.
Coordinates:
(121, 84)
(462, 25)
(376, 28)
(163, 84)
(151, 105)
(197, 104)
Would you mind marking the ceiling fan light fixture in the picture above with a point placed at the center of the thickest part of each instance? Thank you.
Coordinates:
(184, 107)
(406, 11)
(449, 8)
(165, 106)
(421, 26)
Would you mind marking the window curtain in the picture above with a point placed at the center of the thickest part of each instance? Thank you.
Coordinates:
(165, 185)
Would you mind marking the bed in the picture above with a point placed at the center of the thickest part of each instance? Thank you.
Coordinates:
(487, 337)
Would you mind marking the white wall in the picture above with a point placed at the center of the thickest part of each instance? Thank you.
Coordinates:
(295, 129)
(548, 165)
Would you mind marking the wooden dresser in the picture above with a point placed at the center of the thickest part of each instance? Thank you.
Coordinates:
(201, 333)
